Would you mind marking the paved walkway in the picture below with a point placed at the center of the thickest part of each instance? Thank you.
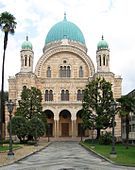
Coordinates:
(64, 156)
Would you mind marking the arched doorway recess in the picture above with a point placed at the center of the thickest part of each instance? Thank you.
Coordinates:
(65, 123)
(50, 121)
(80, 130)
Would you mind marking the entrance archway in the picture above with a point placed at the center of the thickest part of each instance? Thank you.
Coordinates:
(80, 130)
(50, 121)
(65, 123)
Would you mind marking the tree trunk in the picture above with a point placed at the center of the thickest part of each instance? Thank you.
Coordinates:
(2, 118)
(98, 133)
(127, 130)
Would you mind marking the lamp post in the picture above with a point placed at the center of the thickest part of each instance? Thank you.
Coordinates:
(10, 107)
(92, 128)
(81, 132)
(36, 137)
(48, 132)
(113, 153)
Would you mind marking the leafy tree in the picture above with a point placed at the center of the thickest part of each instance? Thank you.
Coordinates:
(36, 128)
(30, 103)
(30, 107)
(127, 105)
(19, 127)
(7, 25)
(96, 104)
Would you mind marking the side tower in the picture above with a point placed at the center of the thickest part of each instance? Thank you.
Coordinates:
(103, 56)
(103, 70)
(25, 77)
(26, 56)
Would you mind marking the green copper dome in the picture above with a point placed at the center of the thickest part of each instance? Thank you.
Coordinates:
(102, 44)
(65, 30)
(26, 44)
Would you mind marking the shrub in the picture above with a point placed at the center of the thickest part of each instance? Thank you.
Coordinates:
(19, 127)
(36, 128)
(105, 139)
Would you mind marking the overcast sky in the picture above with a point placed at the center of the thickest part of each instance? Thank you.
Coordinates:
(115, 19)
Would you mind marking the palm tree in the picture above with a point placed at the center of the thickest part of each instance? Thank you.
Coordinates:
(7, 25)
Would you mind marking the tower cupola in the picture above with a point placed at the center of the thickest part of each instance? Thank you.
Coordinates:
(27, 56)
(102, 44)
(103, 56)
(27, 45)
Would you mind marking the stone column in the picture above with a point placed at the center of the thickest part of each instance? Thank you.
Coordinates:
(73, 119)
(58, 133)
(55, 128)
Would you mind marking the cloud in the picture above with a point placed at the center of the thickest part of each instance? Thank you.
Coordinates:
(112, 18)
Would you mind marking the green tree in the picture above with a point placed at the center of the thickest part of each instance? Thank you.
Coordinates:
(30, 103)
(36, 128)
(96, 104)
(127, 105)
(19, 127)
(7, 25)
(30, 107)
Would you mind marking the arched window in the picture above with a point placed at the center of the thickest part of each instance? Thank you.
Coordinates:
(60, 71)
(80, 71)
(100, 61)
(25, 61)
(29, 61)
(104, 59)
(80, 95)
(24, 87)
(65, 71)
(107, 60)
(67, 95)
(51, 95)
(62, 95)
(22, 61)
(68, 71)
(49, 72)
(46, 95)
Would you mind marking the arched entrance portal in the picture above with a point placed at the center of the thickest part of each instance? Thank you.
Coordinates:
(81, 131)
(50, 121)
(79, 123)
(65, 123)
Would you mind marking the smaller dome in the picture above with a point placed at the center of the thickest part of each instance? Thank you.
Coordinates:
(27, 45)
(102, 44)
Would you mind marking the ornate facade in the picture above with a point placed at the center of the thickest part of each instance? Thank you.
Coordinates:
(61, 74)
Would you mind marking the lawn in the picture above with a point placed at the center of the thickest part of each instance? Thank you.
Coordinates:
(6, 147)
(124, 156)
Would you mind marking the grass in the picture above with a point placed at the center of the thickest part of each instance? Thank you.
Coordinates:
(5, 147)
(124, 156)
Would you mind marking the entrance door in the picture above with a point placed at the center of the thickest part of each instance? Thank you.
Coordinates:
(65, 129)
(81, 131)
(49, 130)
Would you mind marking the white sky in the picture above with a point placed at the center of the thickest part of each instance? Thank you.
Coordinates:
(115, 19)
